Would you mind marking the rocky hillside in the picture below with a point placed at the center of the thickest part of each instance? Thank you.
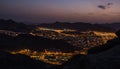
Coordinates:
(103, 57)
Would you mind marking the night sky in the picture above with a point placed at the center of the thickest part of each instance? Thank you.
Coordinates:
(94, 11)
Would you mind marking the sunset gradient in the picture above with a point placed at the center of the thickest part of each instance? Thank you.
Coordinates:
(94, 11)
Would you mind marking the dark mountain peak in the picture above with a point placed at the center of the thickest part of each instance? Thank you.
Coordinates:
(118, 33)
(11, 21)
(7, 21)
(14, 26)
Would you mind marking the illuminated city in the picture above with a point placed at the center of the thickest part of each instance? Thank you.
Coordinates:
(59, 34)
(84, 41)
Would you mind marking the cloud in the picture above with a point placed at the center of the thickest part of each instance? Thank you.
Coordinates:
(109, 4)
(104, 7)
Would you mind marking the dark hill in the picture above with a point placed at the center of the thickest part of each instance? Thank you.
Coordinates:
(32, 42)
(18, 61)
(104, 57)
(14, 26)
(116, 26)
(110, 44)
(78, 26)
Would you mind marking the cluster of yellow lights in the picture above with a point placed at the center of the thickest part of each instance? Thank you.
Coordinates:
(104, 33)
(41, 55)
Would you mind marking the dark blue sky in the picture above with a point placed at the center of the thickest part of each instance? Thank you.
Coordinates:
(100, 11)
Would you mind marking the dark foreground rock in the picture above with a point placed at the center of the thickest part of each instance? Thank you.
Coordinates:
(18, 61)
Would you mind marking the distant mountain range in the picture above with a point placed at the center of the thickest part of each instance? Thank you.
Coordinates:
(115, 26)
(80, 26)
(21, 27)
